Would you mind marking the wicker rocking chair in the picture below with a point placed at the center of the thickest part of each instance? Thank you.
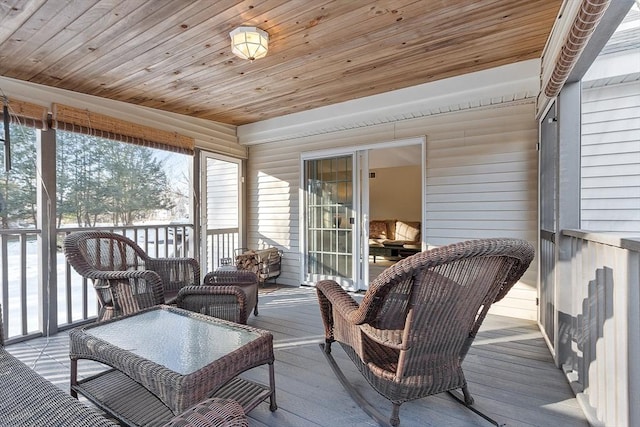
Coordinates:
(125, 278)
(411, 332)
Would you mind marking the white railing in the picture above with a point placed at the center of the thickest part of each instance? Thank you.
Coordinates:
(18, 280)
(221, 246)
(23, 291)
(603, 344)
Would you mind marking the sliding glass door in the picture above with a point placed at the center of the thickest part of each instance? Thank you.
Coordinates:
(329, 220)
(336, 201)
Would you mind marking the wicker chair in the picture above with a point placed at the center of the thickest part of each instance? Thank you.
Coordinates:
(417, 320)
(124, 277)
(226, 294)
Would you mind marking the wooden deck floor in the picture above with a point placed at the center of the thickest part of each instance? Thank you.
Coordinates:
(510, 373)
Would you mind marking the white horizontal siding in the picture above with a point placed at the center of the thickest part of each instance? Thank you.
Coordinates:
(481, 182)
(489, 192)
(222, 194)
(610, 157)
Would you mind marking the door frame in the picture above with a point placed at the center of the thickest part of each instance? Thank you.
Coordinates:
(319, 155)
(361, 201)
(203, 203)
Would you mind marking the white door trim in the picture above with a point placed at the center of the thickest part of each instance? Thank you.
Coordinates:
(361, 204)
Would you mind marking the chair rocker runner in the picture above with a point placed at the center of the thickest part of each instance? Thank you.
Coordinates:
(418, 319)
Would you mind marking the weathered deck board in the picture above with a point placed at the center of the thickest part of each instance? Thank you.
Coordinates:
(509, 370)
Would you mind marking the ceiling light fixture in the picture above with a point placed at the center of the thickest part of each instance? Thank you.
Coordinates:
(249, 42)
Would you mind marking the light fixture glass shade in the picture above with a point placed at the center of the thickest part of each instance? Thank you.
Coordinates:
(249, 42)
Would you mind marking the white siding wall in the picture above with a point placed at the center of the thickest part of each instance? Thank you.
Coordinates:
(482, 182)
(610, 193)
(222, 194)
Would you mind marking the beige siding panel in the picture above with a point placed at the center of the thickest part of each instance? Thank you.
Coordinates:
(225, 143)
(481, 182)
(222, 194)
(610, 157)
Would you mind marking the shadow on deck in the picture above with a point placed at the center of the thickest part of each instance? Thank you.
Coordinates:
(509, 370)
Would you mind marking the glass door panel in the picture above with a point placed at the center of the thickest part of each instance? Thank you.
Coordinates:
(329, 222)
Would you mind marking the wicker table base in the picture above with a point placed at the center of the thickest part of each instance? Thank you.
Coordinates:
(123, 398)
(166, 360)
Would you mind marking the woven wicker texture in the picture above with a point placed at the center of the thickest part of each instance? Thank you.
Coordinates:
(47, 404)
(124, 277)
(177, 391)
(418, 319)
(27, 399)
(223, 412)
(1, 328)
(229, 295)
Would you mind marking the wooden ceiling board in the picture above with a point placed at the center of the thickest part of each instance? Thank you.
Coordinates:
(175, 55)
(198, 44)
(129, 36)
(64, 40)
(181, 65)
(395, 62)
(200, 77)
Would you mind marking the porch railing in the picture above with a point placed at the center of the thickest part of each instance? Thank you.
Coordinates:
(221, 246)
(22, 294)
(603, 338)
(19, 289)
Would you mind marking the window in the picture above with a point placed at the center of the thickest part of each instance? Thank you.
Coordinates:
(110, 183)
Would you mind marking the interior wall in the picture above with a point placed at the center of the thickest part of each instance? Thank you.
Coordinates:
(394, 193)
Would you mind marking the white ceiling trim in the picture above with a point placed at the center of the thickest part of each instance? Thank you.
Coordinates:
(494, 86)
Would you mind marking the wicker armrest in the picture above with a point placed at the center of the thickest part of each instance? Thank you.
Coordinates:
(332, 295)
(223, 302)
(148, 275)
(126, 292)
(213, 412)
(243, 279)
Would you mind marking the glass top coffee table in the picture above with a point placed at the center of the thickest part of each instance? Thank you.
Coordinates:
(165, 360)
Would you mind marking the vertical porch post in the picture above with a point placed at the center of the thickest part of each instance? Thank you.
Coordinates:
(567, 214)
(46, 222)
(197, 209)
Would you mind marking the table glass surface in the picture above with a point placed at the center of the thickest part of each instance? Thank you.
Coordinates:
(181, 343)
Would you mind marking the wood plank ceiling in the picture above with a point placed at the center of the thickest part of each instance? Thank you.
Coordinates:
(174, 55)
